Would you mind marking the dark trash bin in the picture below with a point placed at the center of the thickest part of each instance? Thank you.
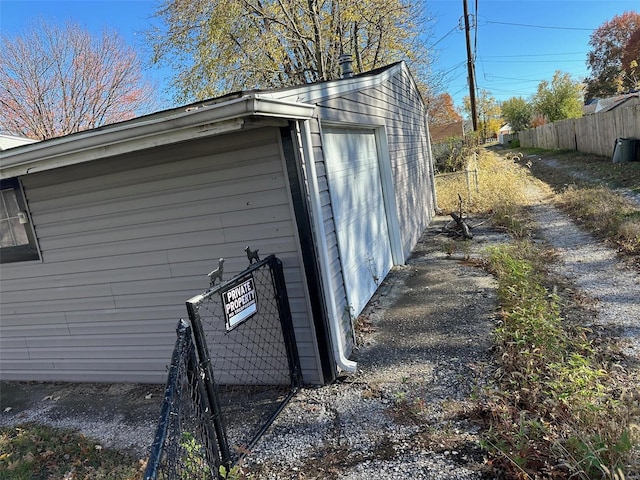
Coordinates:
(625, 150)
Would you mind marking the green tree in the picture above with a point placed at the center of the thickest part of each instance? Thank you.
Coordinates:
(559, 99)
(518, 113)
(489, 113)
(615, 44)
(219, 46)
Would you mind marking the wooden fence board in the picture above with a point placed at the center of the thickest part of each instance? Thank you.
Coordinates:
(594, 134)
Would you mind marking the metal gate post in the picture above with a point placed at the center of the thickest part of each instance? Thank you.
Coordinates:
(212, 394)
(286, 320)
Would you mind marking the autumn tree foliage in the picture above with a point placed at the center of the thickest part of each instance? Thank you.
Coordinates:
(631, 61)
(615, 45)
(559, 99)
(489, 113)
(219, 46)
(56, 80)
(442, 110)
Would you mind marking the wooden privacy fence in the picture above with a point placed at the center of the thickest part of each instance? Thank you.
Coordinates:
(594, 134)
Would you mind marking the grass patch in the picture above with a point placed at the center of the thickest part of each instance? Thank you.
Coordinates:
(606, 214)
(36, 452)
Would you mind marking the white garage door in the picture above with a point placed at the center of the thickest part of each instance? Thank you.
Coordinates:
(359, 211)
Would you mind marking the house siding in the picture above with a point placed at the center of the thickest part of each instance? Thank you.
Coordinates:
(396, 105)
(126, 241)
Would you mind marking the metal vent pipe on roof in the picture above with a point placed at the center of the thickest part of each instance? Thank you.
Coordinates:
(346, 66)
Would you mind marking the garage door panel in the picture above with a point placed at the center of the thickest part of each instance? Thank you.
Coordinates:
(358, 208)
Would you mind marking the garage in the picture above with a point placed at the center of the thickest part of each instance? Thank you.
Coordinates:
(357, 199)
(334, 178)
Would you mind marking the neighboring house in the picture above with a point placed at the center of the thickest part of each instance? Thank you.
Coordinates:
(504, 134)
(120, 225)
(440, 133)
(11, 141)
(605, 104)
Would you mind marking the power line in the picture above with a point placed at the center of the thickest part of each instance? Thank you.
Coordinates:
(475, 33)
(541, 26)
(534, 55)
(445, 36)
(532, 61)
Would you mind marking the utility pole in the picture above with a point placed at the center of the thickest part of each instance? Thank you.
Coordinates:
(470, 67)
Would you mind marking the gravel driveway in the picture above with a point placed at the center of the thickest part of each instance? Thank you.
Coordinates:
(408, 412)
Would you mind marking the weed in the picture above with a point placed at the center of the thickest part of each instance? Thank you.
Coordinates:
(558, 412)
(556, 394)
(607, 214)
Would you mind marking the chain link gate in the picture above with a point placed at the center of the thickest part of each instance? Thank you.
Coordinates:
(232, 371)
(185, 443)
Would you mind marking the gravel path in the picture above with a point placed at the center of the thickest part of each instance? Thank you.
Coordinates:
(406, 413)
(595, 270)
(607, 283)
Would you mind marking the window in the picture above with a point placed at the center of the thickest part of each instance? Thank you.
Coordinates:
(17, 240)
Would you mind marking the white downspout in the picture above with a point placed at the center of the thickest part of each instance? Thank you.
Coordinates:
(323, 253)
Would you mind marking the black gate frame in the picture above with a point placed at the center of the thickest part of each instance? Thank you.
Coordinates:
(286, 322)
(191, 366)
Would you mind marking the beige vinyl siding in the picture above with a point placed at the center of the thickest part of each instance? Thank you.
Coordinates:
(126, 241)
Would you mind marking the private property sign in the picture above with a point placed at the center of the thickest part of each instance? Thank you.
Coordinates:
(239, 301)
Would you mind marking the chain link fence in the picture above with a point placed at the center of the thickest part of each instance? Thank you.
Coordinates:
(234, 367)
(184, 447)
(250, 344)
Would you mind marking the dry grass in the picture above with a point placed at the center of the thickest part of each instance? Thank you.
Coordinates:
(500, 183)
(606, 214)
(561, 411)
(502, 191)
(32, 452)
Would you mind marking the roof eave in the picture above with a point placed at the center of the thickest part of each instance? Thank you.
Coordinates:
(314, 91)
(156, 130)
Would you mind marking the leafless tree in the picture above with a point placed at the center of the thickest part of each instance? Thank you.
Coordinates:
(59, 79)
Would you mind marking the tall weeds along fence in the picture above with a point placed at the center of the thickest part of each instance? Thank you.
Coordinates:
(595, 134)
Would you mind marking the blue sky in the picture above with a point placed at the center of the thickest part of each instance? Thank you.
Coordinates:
(511, 60)
(518, 43)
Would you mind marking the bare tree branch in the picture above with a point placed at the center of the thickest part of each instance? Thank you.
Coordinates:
(56, 80)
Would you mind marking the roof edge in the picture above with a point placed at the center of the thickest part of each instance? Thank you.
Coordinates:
(155, 130)
(330, 88)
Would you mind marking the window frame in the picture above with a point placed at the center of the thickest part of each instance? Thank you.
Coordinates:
(20, 253)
